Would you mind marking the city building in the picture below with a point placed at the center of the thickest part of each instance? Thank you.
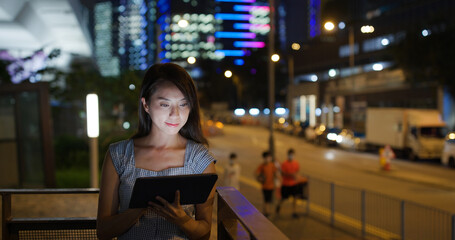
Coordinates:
(354, 64)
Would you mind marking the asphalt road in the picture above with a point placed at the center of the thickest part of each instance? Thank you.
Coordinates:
(425, 183)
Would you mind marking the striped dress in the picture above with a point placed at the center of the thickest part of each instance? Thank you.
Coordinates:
(152, 226)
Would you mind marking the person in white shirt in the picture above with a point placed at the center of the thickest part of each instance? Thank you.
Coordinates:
(232, 173)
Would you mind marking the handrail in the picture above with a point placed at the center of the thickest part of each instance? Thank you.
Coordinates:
(11, 226)
(238, 218)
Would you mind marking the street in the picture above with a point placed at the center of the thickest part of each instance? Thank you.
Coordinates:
(428, 184)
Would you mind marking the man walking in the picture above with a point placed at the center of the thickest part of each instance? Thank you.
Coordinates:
(289, 174)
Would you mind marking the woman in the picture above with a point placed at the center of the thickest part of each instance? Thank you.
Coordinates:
(169, 141)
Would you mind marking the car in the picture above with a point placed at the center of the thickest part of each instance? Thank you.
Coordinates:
(350, 140)
(448, 152)
(327, 137)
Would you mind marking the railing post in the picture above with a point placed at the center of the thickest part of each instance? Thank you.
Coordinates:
(308, 197)
(6, 214)
(332, 204)
(403, 220)
(362, 202)
(453, 227)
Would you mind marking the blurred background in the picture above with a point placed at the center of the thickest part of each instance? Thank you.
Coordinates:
(336, 62)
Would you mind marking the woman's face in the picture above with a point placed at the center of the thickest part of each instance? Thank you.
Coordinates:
(168, 108)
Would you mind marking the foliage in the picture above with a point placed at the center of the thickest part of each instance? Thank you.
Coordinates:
(71, 152)
(72, 178)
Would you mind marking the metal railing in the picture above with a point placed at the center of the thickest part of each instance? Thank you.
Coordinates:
(369, 214)
(236, 219)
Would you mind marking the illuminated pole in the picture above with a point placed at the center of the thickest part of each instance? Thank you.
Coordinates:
(93, 133)
(351, 49)
(271, 76)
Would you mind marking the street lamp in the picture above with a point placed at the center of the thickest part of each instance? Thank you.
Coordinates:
(228, 74)
(271, 51)
(191, 60)
(93, 133)
(330, 26)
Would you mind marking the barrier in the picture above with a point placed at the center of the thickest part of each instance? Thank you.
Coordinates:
(236, 217)
(368, 214)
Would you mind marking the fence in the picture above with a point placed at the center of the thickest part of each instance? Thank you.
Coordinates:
(368, 214)
(236, 218)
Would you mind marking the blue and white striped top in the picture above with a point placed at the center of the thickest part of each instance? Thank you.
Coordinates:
(152, 226)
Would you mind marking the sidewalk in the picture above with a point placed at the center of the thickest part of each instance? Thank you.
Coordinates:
(304, 227)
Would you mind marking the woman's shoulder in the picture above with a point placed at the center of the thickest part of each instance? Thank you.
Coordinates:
(198, 156)
(120, 147)
(120, 144)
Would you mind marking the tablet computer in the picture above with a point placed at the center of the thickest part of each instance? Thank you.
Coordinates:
(194, 189)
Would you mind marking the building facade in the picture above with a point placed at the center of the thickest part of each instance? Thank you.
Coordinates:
(344, 71)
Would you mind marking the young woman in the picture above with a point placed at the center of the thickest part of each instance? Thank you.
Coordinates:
(169, 141)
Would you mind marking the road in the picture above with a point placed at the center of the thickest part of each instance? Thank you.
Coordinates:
(425, 183)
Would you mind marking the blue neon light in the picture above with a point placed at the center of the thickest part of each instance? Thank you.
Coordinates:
(248, 8)
(248, 35)
(239, 62)
(230, 53)
(242, 26)
(233, 16)
(315, 21)
(242, 8)
(237, 1)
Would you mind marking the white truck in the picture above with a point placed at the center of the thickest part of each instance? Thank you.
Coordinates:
(417, 133)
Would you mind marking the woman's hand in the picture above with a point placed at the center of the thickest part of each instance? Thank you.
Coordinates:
(172, 212)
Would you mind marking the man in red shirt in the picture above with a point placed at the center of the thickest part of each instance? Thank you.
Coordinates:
(265, 174)
(289, 175)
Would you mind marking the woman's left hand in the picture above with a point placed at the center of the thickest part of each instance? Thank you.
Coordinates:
(172, 212)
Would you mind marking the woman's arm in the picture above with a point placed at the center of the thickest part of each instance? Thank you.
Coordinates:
(199, 228)
(109, 223)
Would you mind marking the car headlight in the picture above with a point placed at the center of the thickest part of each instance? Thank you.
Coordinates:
(332, 136)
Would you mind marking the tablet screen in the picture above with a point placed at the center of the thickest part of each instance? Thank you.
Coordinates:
(194, 189)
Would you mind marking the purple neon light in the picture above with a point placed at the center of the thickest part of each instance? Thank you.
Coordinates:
(244, 44)
(249, 26)
(237, 1)
(249, 8)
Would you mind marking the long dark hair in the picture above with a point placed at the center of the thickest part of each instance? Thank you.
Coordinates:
(154, 76)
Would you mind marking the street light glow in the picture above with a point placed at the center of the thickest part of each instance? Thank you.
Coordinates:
(191, 60)
(275, 57)
(295, 46)
(314, 78)
(385, 42)
(228, 73)
(183, 23)
(254, 111)
(367, 29)
(332, 72)
(93, 130)
(329, 26)
(341, 25)
(280, 111)
(239, 111)
(378, 67)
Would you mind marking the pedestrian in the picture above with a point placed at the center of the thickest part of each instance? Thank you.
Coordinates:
(232, 172)
(169, 141)
(387, 155)
(289, 175)
(265, 174)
